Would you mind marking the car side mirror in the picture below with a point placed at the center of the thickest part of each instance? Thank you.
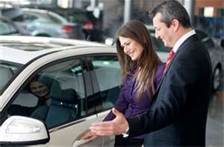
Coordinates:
(20, 130)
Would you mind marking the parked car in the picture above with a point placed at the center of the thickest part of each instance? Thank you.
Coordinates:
(44, 23)
(8, 27)
(81, 92)
(216, 52)
(91, 26)
(85, 81)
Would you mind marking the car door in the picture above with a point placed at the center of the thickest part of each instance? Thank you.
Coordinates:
(106, 80)
(65, 113)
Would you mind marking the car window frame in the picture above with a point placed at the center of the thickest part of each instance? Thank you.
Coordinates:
(97, 110)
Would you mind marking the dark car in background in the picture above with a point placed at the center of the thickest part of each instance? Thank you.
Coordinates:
(216, 52)
(91, 26)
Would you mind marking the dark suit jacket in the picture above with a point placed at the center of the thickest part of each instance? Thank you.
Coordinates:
(179, 112)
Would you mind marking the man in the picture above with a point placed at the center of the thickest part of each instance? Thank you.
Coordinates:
(178, 114)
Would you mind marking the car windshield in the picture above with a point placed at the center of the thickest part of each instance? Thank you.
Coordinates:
(7, 72)
(49, 17)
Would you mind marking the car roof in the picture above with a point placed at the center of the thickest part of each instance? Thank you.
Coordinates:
(22, 49)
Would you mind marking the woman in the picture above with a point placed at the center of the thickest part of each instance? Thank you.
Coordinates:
(40, 87)
(141, 71)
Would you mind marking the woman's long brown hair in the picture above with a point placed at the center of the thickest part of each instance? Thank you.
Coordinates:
(146, 64)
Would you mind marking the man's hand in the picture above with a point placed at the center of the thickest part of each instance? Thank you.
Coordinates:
(114, 127)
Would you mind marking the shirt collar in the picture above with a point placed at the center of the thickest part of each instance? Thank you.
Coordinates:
(182, 39)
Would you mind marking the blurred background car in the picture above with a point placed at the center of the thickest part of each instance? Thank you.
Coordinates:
(44, 23)
(216, 52)
(8, 27)
(91, 26)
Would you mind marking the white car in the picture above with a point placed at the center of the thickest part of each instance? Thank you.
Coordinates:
(85, 80)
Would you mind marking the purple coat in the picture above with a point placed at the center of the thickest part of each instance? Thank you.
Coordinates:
(126, 102)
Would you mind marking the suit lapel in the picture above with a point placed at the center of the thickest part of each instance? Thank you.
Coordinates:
(164, 75)
(181, 48)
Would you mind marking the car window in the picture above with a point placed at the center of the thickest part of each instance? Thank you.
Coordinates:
(6, 28)
(106, 81)
(56, 94)
(69, 90)
(29, 17)
(7, 71)
(32, 17)
(56, 18)
(48, 17)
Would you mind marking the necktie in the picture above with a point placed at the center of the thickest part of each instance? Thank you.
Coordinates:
(168, 60)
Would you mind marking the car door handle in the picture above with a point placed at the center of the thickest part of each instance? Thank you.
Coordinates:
(78, 143)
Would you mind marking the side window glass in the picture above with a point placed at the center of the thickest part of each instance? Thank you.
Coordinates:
(6, 28)
(29, 18)
(54, 95)
(106, 81)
